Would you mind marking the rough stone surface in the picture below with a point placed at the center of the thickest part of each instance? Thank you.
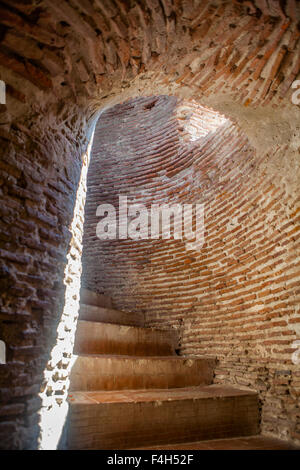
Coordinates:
(236, 298)
(65, 62)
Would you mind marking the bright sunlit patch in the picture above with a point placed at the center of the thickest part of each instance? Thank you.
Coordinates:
(198, 121)
(54, 408)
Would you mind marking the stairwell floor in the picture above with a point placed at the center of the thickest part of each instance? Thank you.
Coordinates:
(239, 443)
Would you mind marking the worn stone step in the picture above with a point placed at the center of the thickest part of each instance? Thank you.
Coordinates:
(110, 315)
(137, 418)
(108, 338)
(89, 297)
(258, 442)
(96, 372)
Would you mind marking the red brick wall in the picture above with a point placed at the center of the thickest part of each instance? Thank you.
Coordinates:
(236, 298)
(64, 62)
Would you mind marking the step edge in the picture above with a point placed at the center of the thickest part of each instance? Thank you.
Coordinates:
(231, 393)
(110, 309)
(147, 328)
(121, 356)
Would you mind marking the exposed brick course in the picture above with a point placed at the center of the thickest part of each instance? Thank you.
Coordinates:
(237, 297)
(66, 62)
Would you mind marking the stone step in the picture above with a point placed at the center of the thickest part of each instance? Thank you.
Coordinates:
(258, 442)
(108, 338)
(94, 372)
(110, 315)
(92, 298)
(137, 418)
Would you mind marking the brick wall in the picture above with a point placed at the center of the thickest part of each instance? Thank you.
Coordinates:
(64, 63)
(38, 197)
(236, 298)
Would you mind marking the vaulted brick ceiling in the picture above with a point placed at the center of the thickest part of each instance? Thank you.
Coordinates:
(78, 50)
(65, 63)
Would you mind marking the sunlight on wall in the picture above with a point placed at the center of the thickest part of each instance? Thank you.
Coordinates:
(198, 121)
(54, 408)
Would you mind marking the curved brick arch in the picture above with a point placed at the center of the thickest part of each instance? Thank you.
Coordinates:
(63, 61)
